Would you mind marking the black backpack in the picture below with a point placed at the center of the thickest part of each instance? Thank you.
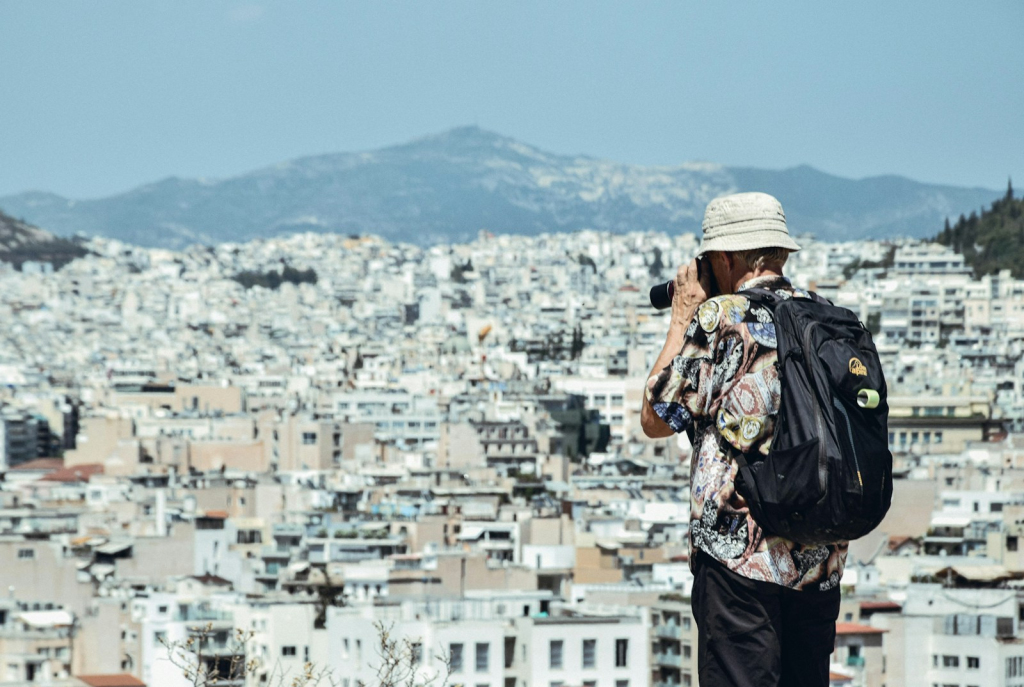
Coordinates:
(828, 475)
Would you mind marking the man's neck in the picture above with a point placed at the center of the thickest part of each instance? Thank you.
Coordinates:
(754, 274)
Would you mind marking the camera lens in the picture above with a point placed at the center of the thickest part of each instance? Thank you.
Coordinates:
(661, 295)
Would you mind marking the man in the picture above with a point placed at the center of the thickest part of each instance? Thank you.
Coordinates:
(765, 607)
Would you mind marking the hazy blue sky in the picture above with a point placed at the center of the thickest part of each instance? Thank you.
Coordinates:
(97, 97)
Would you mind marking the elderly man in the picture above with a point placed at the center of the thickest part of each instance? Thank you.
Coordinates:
(765, 607)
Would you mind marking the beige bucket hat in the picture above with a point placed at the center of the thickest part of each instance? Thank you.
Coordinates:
(744, 221)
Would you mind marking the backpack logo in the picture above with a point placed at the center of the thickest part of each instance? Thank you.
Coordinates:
(858, 368)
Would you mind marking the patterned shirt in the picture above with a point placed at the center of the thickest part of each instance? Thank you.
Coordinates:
(725, 385)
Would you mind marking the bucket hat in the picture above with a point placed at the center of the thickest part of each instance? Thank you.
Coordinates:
(744, 221)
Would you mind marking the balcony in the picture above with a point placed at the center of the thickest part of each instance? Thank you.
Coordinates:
(275, 552)
(200, 615)
(668, 631)
(671, 660)
(855, 661)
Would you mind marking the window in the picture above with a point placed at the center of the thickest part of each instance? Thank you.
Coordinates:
(686, 623)
(621, 652)
(483, 650)
(686, 651)
(344, 649)
(616, 400)
(287, 651)
(973, 662)
(935, 660)
(159, 638)
(455, 656)
(589, 653)
(590, 683)
(600, 400)
(416, 649)
(555, 654)
(309, 438)
(161, 609)
(26, 553)
(950, 661)
(622, 683)
(248, 537)
(995, 507)
(1011, 543)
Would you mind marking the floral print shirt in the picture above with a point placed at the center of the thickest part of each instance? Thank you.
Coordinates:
(724, 384)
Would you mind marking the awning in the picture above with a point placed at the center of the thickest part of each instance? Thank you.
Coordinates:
(113, 548)
(46, 618)
(471, 533)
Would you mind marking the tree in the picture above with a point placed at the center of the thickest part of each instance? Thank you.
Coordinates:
(577, 345)
(204, 668)
(400, 661)
(657, 265)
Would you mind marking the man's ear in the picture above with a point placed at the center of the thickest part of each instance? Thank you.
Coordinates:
(730, 261)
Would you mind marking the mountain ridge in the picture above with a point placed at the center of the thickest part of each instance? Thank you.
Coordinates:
(21, 242)
(449, 186)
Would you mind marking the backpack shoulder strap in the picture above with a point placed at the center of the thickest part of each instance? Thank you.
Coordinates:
(761, 295)
(770, 298)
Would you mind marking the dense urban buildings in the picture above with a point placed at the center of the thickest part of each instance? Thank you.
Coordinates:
(288, 449)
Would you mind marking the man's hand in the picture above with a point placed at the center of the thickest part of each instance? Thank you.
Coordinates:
(692, 286)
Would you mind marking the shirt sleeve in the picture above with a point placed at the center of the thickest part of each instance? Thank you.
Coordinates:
(679, 393)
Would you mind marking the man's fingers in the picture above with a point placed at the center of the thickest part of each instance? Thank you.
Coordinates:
(686, 273)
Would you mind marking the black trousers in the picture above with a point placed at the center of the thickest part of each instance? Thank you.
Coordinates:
(758, 634)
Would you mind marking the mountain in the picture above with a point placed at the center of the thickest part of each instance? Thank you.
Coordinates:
(450, 186)
(994, 240)
(21, 242)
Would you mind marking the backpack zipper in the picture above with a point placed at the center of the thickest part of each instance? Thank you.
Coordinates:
(818, 421)
(849, 439)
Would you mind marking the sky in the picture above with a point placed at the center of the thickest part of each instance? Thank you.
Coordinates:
(99, 97)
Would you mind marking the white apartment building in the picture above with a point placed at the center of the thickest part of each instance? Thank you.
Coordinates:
(593, 651)
(162, 619)
(470, 633)
(408, 420)
(947, 636)
(284, 637)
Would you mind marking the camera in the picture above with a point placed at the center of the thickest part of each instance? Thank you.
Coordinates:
(661, 294)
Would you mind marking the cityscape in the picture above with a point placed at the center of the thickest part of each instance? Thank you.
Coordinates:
(511, 344)
(287, 449)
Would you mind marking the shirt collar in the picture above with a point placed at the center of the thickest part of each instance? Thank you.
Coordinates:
(769, 281)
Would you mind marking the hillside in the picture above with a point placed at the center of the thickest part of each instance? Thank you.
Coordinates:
(450, 186)
(21, 242)
(991, 241)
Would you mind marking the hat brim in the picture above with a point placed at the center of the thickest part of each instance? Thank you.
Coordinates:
(749, 240)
